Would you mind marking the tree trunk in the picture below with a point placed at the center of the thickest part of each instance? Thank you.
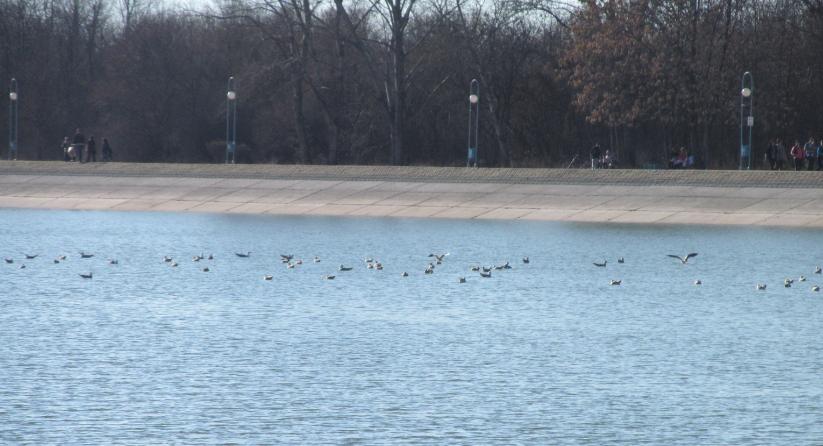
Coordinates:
(334, 138)
(299, 118)
(91, 44)
(398, 92)
(705, 145)
(303, 53)
(503, 158)
(333, 109)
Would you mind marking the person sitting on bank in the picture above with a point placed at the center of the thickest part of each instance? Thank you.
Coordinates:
(682, 157)
(609, 161)
(679, 159)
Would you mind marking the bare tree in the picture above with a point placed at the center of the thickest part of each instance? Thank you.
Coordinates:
(500, 41)
(131, 10)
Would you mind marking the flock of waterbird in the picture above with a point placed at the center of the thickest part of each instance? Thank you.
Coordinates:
(290, 262)
(59, 259)
(370, 263)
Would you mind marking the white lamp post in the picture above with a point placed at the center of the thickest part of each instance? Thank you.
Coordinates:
(13, 99)
(474, 121)
(231, 121)
(746, 120)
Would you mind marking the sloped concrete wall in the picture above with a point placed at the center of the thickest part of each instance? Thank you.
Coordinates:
(623, 196)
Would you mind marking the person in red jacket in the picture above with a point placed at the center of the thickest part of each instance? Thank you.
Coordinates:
(798, 155)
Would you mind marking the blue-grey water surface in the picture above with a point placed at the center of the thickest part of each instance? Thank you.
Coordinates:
(545, 353)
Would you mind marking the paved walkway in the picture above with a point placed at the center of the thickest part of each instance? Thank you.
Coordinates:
(623, 196)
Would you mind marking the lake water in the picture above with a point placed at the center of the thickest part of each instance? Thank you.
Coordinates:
(544, 353)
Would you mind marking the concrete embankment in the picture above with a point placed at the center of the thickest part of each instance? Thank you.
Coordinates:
(622, 196)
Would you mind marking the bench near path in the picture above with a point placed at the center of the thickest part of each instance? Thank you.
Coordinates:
(622, 196)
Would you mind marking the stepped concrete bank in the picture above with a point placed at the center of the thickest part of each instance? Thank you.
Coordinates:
(621, 196)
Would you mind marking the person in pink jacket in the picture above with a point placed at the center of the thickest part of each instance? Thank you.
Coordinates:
(798, 155)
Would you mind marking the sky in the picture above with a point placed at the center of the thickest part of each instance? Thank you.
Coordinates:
(187, 4)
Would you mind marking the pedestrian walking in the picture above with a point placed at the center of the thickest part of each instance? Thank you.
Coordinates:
(595, 154)
(106, 152)
(91, 149)
(810, 152)
(781, 156)
(65, 146)
(78, 144)
(798, 155)
(820, 155)
(771, 154)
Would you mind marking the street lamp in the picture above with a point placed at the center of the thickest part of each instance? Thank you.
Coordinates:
(474, 121)
(13, 119)
(746, 120)
(231, 121)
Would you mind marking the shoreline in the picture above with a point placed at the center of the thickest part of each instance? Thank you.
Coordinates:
(760, 198)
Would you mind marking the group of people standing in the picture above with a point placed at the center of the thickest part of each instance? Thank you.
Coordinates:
(808, 155)
(83, 150)
(602, 160)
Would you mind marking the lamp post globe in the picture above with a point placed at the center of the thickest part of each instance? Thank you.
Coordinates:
(13, 95)
(746, 92)
(474, 99)
(231, 95)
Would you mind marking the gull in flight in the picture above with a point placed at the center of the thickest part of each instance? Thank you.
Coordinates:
(685, 258)
(438, 258)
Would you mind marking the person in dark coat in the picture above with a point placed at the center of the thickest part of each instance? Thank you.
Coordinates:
(810, 153)
(595, 154)
(106, 150)
(79, 144)
(91, 148)
(771, 155)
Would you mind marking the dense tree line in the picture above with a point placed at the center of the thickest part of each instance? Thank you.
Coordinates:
(386, 81)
